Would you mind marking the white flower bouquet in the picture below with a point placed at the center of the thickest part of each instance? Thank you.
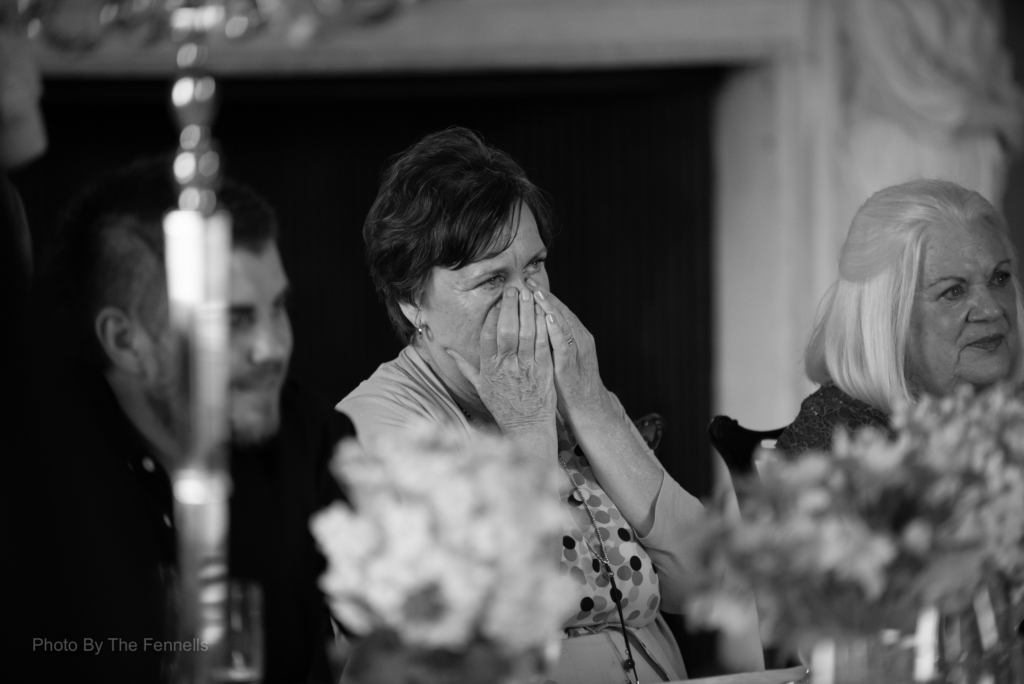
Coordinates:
(868, 539)
(449, 548)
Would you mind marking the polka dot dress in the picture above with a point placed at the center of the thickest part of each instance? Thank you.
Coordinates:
(635, 578)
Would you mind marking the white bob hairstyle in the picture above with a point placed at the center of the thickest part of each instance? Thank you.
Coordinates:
(859, 342)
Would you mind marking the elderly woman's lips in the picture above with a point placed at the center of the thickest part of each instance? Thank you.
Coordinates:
(989, 343)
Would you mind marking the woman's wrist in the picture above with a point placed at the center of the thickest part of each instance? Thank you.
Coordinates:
(526, 424)
(538, 441)
(596, 413)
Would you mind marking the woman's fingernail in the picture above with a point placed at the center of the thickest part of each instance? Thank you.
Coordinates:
(526, 295)
(511, 292)
(540, 295)
(532, 283)
(551, 319)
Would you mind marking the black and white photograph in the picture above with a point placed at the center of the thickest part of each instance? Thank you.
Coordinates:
(512, 341)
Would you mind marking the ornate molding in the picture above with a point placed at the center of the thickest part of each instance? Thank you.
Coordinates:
(474, 35)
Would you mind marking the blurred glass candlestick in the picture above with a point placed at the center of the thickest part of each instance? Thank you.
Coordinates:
(198, 252)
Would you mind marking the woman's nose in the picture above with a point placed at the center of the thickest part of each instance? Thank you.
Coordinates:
(986, 306)
(518, 282)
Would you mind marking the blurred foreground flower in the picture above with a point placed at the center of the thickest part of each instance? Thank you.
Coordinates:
(864, 542)
(447, 549)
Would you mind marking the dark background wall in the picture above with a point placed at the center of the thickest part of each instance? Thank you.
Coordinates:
(1013, 200)
(624, 156)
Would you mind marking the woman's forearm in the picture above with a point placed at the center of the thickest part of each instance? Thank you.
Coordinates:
(622, 464)
(539, 442)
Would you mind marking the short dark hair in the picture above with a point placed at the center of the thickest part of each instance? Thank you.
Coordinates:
(447, 201)
(109, 248)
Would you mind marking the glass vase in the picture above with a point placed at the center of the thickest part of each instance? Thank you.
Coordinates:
(887, 658)
(980, 644)
(976, 645)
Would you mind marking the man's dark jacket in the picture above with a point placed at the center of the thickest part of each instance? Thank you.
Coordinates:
(100, 544)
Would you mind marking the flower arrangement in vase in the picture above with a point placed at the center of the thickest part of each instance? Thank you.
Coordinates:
(900, 560)
(445, 563)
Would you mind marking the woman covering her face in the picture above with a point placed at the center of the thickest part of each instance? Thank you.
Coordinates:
(927, 299)
(456, 243)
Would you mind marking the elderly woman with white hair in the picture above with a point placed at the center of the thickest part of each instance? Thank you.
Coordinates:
(927, 299)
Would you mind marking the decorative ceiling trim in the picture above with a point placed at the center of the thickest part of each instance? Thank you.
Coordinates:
(483, 35)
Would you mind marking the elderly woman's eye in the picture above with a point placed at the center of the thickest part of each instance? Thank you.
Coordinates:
(954, 292)
(1001, 278)
(535, 265)
(493, 282)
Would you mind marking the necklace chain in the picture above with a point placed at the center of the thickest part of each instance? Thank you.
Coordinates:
(469, 418)
(603, 556)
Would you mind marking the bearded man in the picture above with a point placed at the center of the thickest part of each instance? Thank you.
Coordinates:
(114, 393)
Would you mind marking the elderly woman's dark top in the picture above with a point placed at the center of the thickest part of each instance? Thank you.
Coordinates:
(821, 413)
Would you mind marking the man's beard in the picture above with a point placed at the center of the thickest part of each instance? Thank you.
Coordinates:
(169, 412)
(256, 404)
(254, 419)
(167, 400)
